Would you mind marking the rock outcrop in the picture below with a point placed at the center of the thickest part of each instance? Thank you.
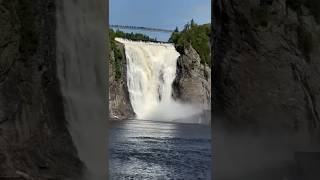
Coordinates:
(193, 80)
(266, 89)
(34, 140)
(119, 100)
(266, 64)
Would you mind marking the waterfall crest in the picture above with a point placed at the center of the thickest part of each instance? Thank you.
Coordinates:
(151, 70)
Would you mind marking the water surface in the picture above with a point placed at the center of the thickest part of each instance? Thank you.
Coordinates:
(159, 150)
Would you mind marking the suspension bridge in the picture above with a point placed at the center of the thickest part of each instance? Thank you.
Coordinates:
(141, 28)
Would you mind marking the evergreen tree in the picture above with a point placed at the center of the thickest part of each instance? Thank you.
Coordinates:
(186, 27)
(192, 23)
(176, 30)
(198, 36)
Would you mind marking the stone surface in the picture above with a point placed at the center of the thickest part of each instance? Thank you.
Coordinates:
(265, 89)
(34, 140)
(193, 80)
(119, 100)
(266, 65)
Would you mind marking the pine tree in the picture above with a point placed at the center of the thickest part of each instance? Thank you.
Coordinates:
(176, 30)
(186, 27)
(192, 23)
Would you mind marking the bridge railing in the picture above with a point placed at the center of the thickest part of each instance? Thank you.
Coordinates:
(141, 28)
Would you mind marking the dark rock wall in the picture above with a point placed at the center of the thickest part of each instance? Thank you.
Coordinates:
(119, 100)
(34, 140)
(265, 89)
(81, 66)
(266, 64)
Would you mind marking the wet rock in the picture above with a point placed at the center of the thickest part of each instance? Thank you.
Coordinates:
(193, 79)
(34, 139)
(119, 100)
(266, 65)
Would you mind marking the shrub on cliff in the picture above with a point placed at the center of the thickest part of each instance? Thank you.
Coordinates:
(198, 36)
(117, 55)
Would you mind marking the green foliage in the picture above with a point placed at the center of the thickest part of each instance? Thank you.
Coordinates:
(176, 30)
(196, 35)
(132, 36)
(117, 63)
(117, 55)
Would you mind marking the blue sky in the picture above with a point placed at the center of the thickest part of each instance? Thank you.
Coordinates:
(165, 14)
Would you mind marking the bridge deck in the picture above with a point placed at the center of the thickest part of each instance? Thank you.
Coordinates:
(141, 28)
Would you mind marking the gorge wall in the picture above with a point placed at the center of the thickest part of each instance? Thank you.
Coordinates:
(34, 139)
(265, 88)
(266, 68)
(52, 92)
(119, 101)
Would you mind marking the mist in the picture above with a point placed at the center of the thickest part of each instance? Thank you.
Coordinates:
(151, 70)
(245, 153)
(176, 111)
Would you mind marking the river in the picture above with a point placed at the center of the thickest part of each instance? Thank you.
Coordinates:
(141, 149)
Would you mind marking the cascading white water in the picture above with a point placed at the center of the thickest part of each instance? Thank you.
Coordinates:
(151, 70)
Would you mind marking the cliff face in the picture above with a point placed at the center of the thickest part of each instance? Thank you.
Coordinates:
(119, 101)
(34, 139)
(193, 80)
(266, 64)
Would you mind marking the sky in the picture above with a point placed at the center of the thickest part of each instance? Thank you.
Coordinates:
(164, 14)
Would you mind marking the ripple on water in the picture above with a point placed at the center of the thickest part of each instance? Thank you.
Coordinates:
(147, 156)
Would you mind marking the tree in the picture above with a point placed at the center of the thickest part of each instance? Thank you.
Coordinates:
(198, 36)
(176, 30)
(193, 24)
(186, 27)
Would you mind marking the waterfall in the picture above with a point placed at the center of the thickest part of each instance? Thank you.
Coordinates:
(151, 70)
(82, 72)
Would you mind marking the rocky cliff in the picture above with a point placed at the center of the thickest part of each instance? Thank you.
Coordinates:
(119, 101)
(34, 140)
(193, 79)
(191, 85)
(266, 64)
(265, 89)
